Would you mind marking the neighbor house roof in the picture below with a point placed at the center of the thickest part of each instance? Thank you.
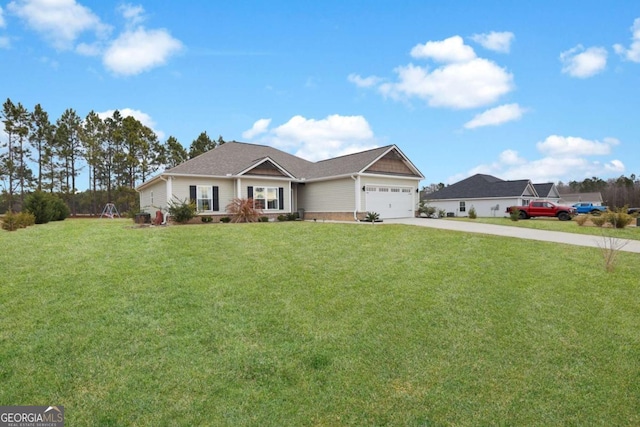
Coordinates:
(594, 197)
(544, 189)
(483, 186)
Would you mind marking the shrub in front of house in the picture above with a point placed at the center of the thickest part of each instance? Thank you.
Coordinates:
(206, 219)
(372, 217)
(182, 211)
(243, 210)
(514, 214)
(225, 219)
(472, 213)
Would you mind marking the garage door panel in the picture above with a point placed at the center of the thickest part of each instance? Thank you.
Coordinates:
(389, 202)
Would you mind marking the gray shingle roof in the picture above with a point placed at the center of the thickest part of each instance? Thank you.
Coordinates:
(232, 158)
(544, 189)
(481, 186)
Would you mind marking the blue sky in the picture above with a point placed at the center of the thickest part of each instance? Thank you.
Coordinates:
(544, 90)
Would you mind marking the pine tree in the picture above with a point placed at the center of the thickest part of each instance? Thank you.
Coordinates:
(201, 145)
(70, 150)
(174, 153)
(14, 161)
(41, 139)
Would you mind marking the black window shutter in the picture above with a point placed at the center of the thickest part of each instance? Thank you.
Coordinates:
(216, 203)
(192, 193)
(250, 192)
(281, 198)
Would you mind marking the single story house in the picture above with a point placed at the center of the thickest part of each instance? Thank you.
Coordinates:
(488, 195)
(381, 180)
(572, 198)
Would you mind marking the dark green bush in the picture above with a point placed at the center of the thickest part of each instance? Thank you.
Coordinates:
(46, 207)
(263, 219)
(182, 211)
(372, 217)
(60, 209)
(206, 219)
(40, 205)
(225, 219)
(282, 217)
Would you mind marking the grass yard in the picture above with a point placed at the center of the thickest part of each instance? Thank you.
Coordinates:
(630, 232)
(314, 324)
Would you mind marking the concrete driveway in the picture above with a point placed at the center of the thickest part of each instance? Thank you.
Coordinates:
(519, 232)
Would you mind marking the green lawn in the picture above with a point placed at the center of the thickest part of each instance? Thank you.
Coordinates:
(630, 232)
(315, 324)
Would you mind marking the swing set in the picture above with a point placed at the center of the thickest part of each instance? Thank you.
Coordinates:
(110, 211)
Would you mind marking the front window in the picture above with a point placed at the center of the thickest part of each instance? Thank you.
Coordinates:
(204, 198)
(266, 198)
(463, 207)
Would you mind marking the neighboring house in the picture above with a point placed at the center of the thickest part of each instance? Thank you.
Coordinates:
(571, 198)
(488, 195)
(381, 180)
(548, 191)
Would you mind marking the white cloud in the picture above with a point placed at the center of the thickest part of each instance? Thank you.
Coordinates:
(59, 21)
(315, 140)
(363, 81)
(496, 116)
(133, 14)
(258, 128)
(570, 146)
(469, 84)
(89, 49)
(449, 50)
(633, 53)
(142, 117)
(134, 52)
(563, 159)
(4, 42)
(496, 41)
(582, 63)
(2, 22)
(462, 80)
(511, 157)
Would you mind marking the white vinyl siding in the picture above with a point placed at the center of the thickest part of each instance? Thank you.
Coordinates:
(336, 195)
(484, 207)
(159, 202)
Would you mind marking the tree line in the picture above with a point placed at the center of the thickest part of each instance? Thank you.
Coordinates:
(616, 192)
(118, 153)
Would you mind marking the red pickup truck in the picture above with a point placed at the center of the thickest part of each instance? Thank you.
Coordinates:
(544, 208)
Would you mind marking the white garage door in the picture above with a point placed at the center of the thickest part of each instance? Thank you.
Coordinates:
(389, 202)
